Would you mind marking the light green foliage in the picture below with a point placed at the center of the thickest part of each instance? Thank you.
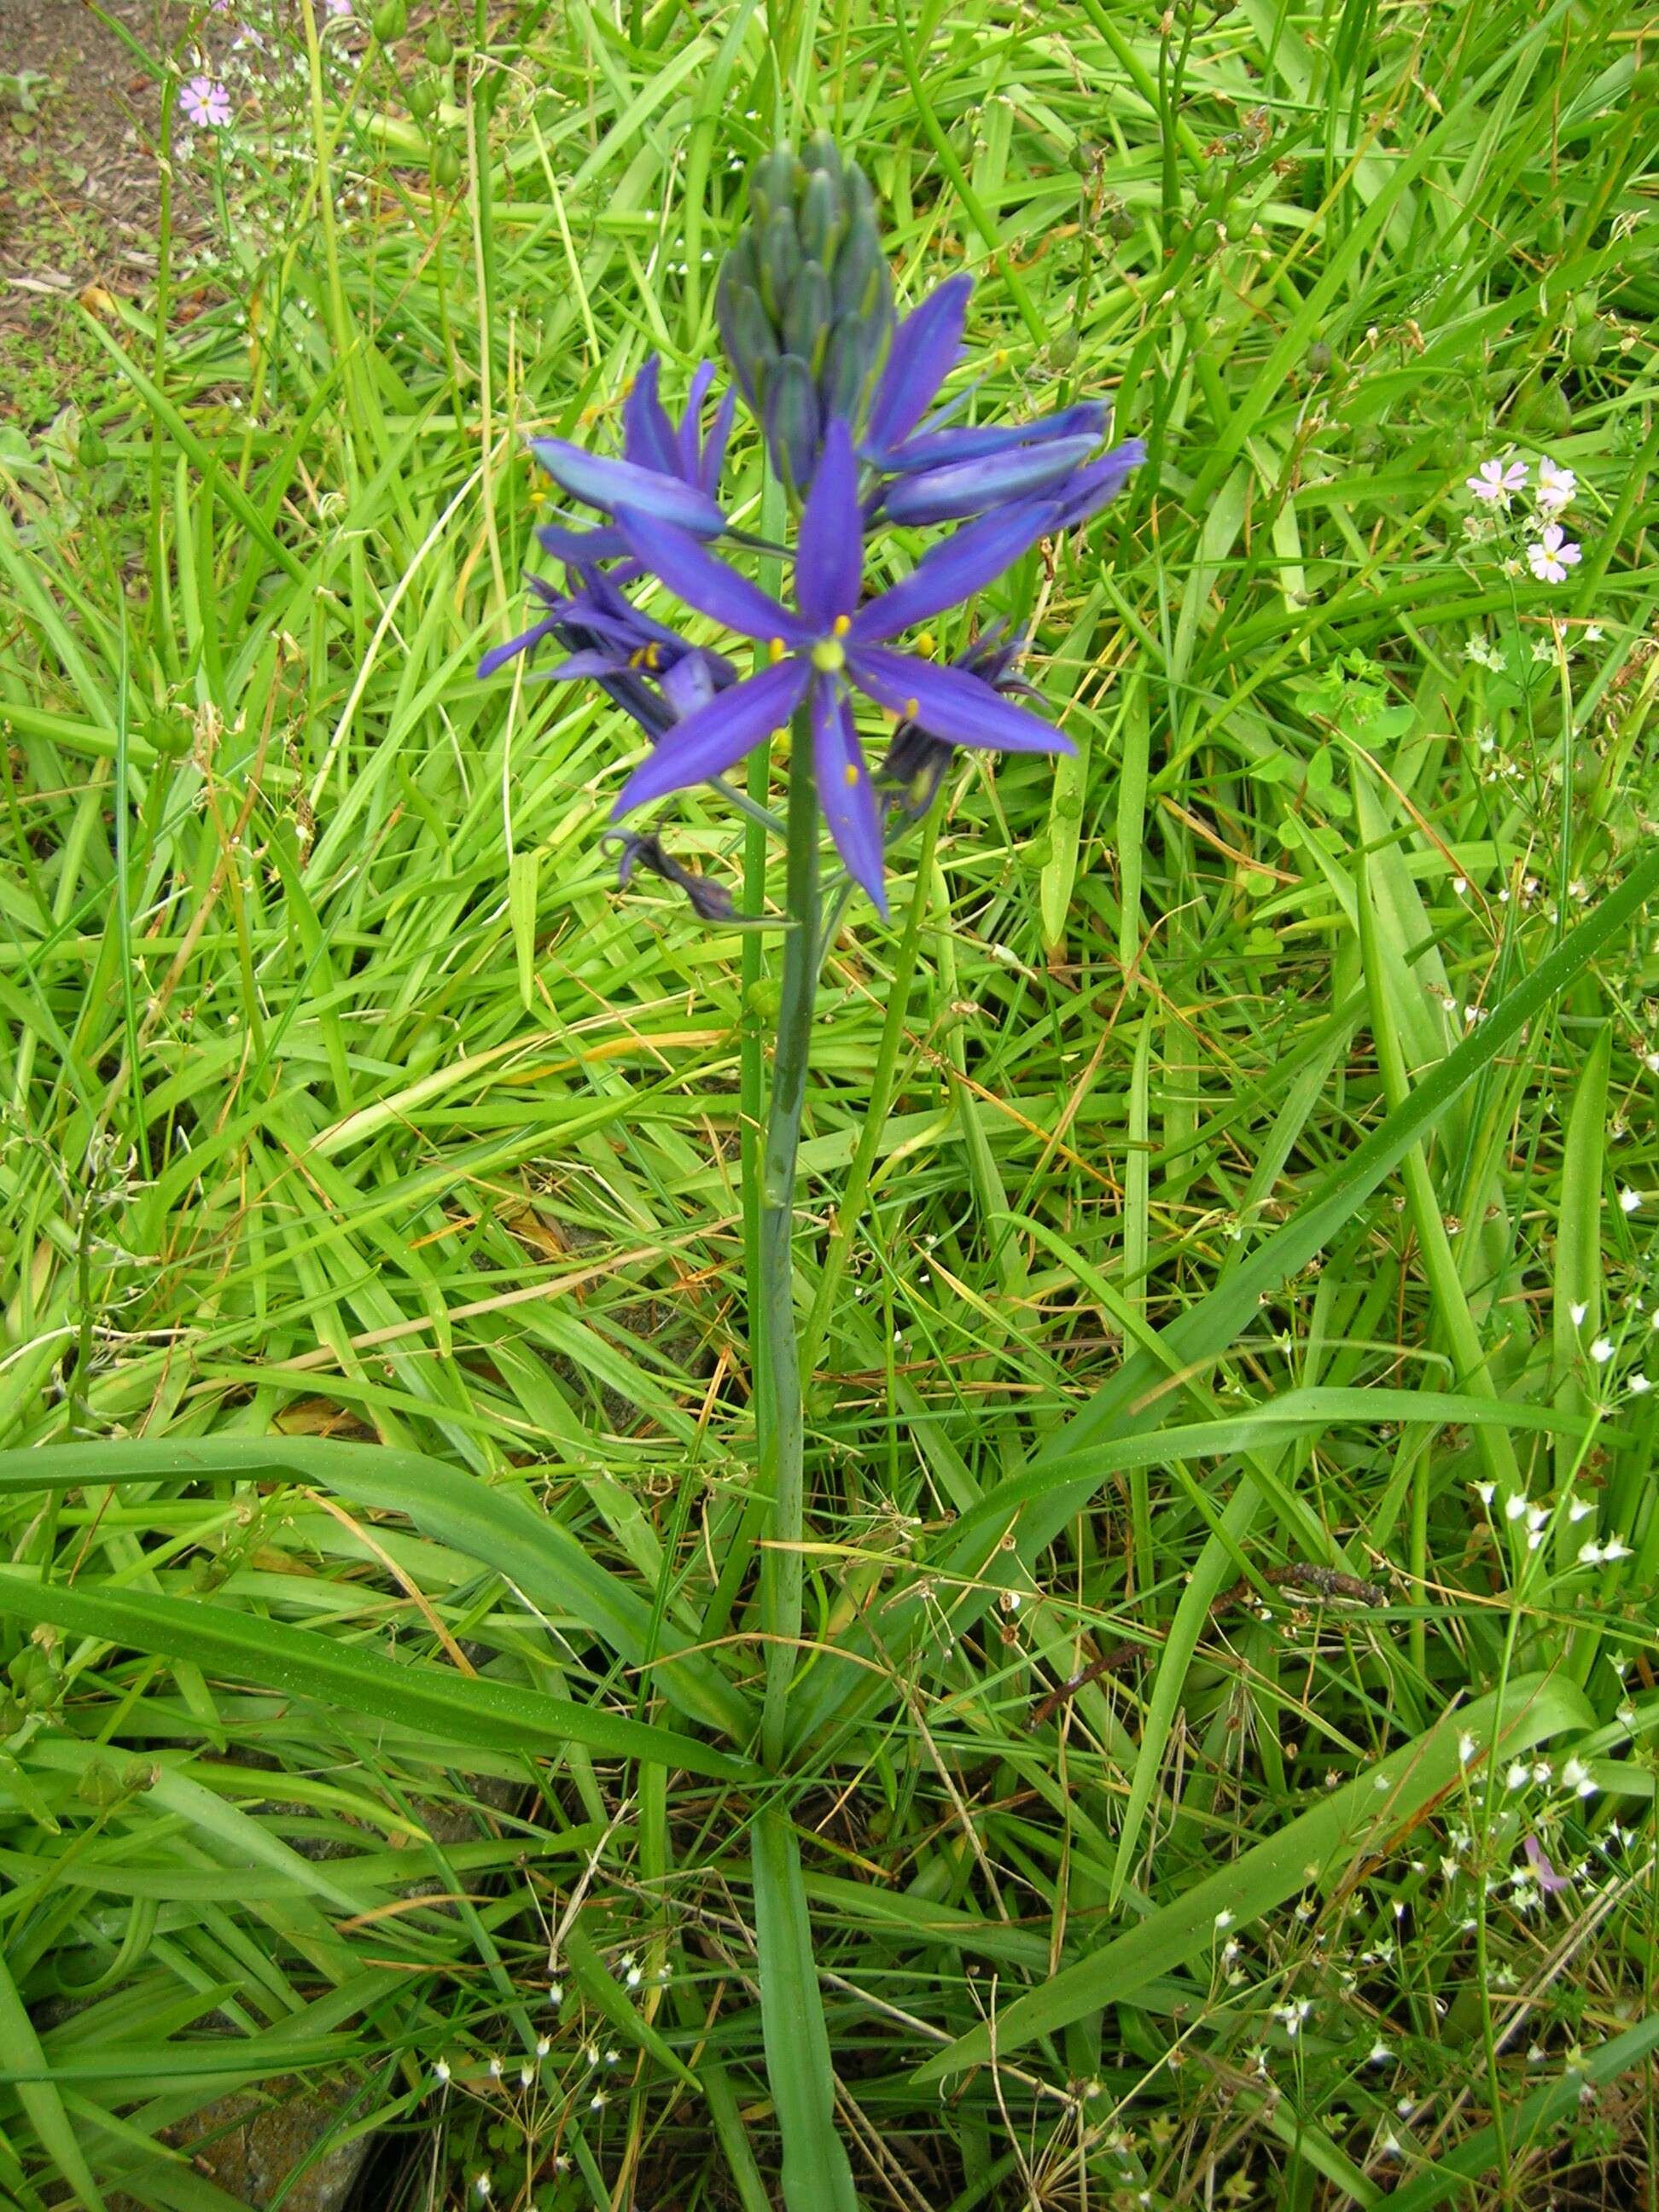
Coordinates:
(1269, 1091)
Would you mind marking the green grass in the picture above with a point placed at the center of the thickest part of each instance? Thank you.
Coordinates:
(371, 1160)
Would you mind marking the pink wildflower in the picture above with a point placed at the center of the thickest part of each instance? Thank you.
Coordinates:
(207, 105)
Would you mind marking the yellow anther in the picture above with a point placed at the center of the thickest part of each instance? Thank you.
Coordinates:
(850, 776)
(841, 625)
(775, 651)
(829, 655)
(911, 709)
(925, 644)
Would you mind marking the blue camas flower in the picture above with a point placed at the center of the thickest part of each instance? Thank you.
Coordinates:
(670, 471)
(640, 664)
(915, 765)
(832, 645)
(947, 475)
(847, 403)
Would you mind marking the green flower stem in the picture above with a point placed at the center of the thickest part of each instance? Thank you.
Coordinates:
(781, 1478)
(847, 1213)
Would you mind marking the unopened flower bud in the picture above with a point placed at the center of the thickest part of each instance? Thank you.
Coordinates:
(804, 302)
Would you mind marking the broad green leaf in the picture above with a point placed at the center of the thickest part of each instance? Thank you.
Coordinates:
(483, 1520)
(799, 2066)
(456, 1709)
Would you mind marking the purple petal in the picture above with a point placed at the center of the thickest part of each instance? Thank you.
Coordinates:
(526, 642)
(613, 484)
(1538, 1858)
(970, 487)
(1091, 487)
(950, 704)
(713, 452)
(647, 433)
(954, 571)
(594, 661)
(924, 351)
(578, 546)
(844, 789)
(690, 436)
(689, 684)
(706, 583)
(716, 737)
(941, 448)
(830, 551)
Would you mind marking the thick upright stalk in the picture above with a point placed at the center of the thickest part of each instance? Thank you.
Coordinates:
(847, 1213)
(779, 1409)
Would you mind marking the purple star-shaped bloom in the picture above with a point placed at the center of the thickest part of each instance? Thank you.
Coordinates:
(666, 473)
(830, 646)
(946, 475)
(640, 664)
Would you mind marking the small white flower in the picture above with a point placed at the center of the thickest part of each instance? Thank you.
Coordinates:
(526, 2075)
(1601, 1351)
(1556, 486)
(1575, 1776)
(1459, 885)
(556, 1994)
(483, 2185)
(544, 2045)
(596, 2102)
(1391, 2147)
(1553, 555)
(441, 2071)
(1579, 1507)
(1613, 1549)
(1493, 482)
(1379, 2053)
(1629, 1200)
(1639, 1385)
(613, 2059)
(1514, 1505)
(1518, 1775)
(1537, 1515)
(1576, 1315)
(1223, 1918)
(1466, 1749)
(494, 2070)
(1483, 1491)
(1589, 1555)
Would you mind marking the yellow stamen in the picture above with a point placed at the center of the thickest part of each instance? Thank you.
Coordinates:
(925, 644)
(828, 656)
(911, 709)
(775, 651)
(841, 624)
(851, 776)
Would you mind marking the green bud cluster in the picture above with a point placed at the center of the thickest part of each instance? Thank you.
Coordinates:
(805, 300)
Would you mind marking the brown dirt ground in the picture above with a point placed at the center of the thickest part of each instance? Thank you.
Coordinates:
(79, 189)
(79, 185)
